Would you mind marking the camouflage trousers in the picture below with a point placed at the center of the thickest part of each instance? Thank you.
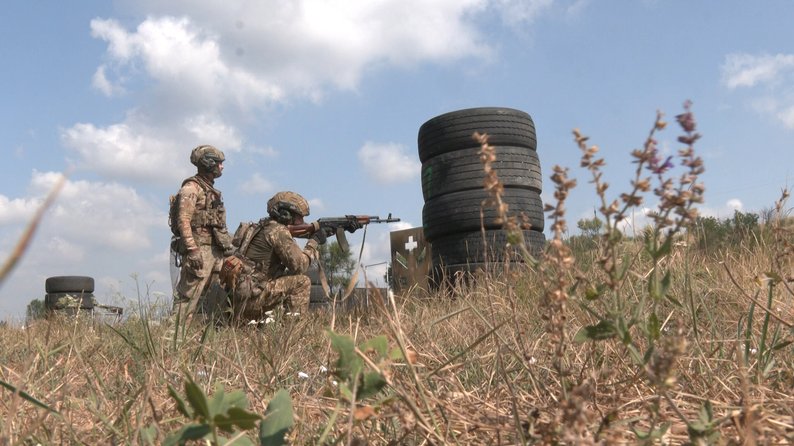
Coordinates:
(255, 295)
(194, 283)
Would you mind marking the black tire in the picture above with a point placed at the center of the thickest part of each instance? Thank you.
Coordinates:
(317, 295)
(469, 247)
(516, 167)
(52, 301)
(69, 284)
(314, 273)
(454, 130)
(458, 212)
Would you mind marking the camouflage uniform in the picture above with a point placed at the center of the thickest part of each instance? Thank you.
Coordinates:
(201, 223)
(273, 271)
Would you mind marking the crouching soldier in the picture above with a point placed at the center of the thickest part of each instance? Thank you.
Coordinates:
(268, 270)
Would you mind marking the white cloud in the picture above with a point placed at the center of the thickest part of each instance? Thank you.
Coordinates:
(17, 210)
(515, 12)
(256, 184)
(103, 84)
(316, 206)
(184, 60)
(769, 78)
(388, 163)
(747, 70)
(136, 150)
(735, 204)
(200, 67)
(98, 215)
(269, 152)
(725, 211)
(786, 116)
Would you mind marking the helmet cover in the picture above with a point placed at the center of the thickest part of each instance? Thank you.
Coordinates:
(206, 157)
(287, 201)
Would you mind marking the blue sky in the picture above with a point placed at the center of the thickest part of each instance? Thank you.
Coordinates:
(326, 97)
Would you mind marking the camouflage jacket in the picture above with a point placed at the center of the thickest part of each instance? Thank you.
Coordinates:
(275, 253)
(201, 214)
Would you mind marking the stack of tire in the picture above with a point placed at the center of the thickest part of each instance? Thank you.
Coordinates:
(69, 294)
(464, 234)
(317, 296)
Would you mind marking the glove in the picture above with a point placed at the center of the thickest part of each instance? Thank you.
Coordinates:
(353, 225)
(194, 260)
(319, 236)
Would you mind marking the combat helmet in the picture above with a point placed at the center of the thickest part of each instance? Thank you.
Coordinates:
(207, 158)
(285, 204)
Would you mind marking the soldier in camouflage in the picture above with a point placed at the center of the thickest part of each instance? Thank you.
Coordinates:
(201, 226)
(269, 266)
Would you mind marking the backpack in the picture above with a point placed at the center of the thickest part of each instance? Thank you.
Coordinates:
(173, 210)
(244, 234)
(233, 265)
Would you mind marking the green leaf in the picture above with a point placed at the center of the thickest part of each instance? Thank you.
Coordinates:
(781, 345)
(623, 331)
(236, 416)
(379, 343)
(180, 403)
(372, 383)
(197, 398)
(222, 402)
(666, 281)
(278, 420)
(396, 354)
(635, 355)
(349, 364)
(653, 434)
(654, 327)
(600, 331)
(663, 250)
(217, 405)
(148, 434)
(345, 391)
(239, 441)
(592, 293)
(706, 414)
(187, 432)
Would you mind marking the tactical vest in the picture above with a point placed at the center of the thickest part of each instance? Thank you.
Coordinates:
(243, 237)
(214, 215)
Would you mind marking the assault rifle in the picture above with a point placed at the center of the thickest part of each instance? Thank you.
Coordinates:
(337, 226)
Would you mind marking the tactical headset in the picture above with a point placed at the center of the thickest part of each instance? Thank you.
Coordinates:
(283, 212)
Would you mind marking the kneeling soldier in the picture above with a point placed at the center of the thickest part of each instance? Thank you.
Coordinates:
(269, 268)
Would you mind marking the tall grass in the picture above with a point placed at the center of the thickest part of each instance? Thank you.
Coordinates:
(655, 342)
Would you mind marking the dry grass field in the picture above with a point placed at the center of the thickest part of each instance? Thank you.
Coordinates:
(624, 340)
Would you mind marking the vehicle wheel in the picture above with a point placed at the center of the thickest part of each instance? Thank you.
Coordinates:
(469, 247)
(516, 167)
(458, 212)
(454, 130)
(69, 284)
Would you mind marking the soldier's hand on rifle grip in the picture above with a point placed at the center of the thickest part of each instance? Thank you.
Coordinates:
(353, 225)
(319, 236)
(194, 260)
